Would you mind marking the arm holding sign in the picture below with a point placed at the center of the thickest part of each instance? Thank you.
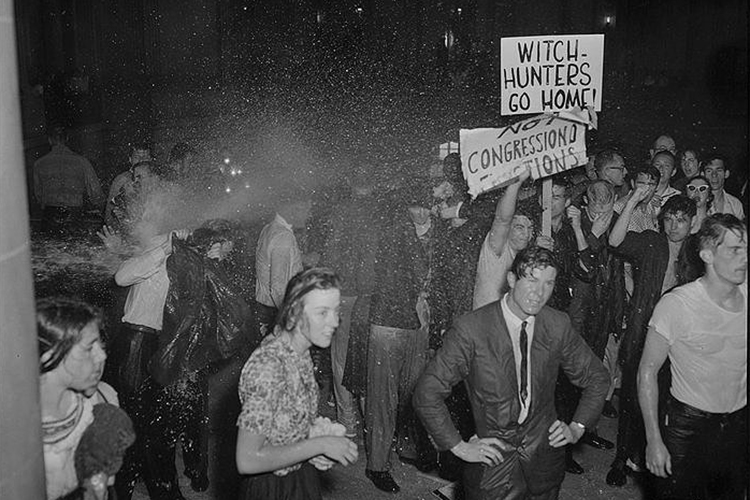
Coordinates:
(621, 226)
(506, 208)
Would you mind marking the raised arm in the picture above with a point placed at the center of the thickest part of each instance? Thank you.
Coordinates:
(620, 229)
(655, 353)
(506, 208)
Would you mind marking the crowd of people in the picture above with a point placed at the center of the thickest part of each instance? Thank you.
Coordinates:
(447, 332)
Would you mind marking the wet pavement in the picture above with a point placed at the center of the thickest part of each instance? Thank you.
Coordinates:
(346, 483)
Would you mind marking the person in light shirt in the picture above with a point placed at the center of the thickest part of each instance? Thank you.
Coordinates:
(697, 445)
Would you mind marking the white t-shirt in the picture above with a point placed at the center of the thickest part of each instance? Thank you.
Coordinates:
(492, 274)
(707, 348)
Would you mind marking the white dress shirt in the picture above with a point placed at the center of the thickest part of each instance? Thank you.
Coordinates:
(513, 323)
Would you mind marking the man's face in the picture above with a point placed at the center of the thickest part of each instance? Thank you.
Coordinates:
(559, 201)
(594, 210)
(614, 172)
(139, 155)
(521, 231)
(663, 143)
(665, 165)
(529, 293)
(689, 164)
(716, 174)
(729, 260)
(320, 316)
(677, 226)
(648, 182)
(144, 177)
(419, 215)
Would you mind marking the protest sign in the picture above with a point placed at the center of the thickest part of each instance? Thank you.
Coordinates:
(544, 74)
(491, 157)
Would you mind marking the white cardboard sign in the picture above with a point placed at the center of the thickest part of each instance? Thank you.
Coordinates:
(545, 74)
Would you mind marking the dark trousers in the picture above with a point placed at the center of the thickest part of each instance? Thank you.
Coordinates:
(179, 414)
(708, 452)
(266, 316)
(131, 350)
(507, 480)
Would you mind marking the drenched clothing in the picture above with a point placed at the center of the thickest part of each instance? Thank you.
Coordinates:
(648, 251)
(705, 428)
(492, 274)
(597, 308)
(732, 205)
(277, 259)
(279, 394)
(707, 348)
(62, 178)
(478, 350)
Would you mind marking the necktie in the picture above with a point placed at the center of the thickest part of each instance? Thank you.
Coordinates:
(524, 363)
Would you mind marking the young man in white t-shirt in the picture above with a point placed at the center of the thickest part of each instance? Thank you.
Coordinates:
(699, 448)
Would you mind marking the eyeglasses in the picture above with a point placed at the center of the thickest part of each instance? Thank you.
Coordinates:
(701, 188)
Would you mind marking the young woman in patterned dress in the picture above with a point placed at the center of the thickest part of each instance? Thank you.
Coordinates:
(279, 395)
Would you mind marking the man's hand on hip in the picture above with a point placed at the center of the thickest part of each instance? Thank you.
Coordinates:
(485, 450)
(561, 433)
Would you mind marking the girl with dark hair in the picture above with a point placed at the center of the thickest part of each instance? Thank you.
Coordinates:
(699, 189)
(71, 361)
(275, 448)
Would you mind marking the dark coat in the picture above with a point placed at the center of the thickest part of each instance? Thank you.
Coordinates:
(478, 350)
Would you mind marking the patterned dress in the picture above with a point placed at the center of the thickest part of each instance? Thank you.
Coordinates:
(279, 395)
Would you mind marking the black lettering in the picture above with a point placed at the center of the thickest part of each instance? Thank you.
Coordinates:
(525, 50)
(573, 54)
(585, 75)
(516, 150)
(472, 169)
(572, 74)
(485, 159)
(559, 75)
(509, 82)
(547, 164)
(536, 75)
(513, 128)
(530, 124)
(496, 157)
(546, 101)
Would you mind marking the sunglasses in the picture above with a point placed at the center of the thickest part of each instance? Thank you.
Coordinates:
(701, 189)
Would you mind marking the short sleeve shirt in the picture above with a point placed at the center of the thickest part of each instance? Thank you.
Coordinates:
(278, 393)
(707, 348)
(492, 271)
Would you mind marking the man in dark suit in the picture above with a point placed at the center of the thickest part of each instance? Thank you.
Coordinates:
(508, 353)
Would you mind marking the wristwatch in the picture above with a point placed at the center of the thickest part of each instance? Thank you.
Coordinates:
(583, 427)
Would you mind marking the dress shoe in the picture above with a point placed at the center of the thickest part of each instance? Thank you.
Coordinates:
(382, 480)
(572, 467)
(609, 410)
(198, 482)
(617, 475)
(596, 441)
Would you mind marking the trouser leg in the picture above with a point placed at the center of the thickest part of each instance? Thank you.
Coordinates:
(195, 440)
(385, 361)
(346, 407)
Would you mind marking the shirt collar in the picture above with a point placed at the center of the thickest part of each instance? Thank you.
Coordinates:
(511, 319)
(283, 222)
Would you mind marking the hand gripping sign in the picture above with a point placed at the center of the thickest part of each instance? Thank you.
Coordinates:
(492, 157)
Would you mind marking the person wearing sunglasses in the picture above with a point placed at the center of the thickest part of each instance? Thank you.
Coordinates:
(698, 189)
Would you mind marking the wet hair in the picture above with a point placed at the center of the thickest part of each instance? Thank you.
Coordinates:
(180, 151)
(681, 154)
(211, 232)
(304, 282)
(604, 158)
(533, 257)
(59, 321)
(676, 204)
(664, 152)
(701, 177)
(600, 192)
(530, 209)
(564, 182)
(649, 170)
(716, 156)
(714, 229)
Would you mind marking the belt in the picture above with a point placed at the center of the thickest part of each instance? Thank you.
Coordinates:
(141, 328)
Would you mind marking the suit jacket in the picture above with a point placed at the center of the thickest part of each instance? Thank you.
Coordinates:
(478, 350)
